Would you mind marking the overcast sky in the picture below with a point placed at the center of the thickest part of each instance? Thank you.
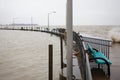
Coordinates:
(86, 12)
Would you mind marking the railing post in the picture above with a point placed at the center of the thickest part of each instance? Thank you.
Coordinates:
(108, 50)
(50, 74)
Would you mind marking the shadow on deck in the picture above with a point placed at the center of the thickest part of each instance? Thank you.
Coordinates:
(99, 74)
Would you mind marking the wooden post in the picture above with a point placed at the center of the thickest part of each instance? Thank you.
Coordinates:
(61, 46)
(50, 74)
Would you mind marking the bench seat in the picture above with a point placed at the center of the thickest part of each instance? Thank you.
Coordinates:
(99, 57)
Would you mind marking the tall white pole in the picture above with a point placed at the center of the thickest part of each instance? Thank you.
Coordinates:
(69, 24)
(48, 19)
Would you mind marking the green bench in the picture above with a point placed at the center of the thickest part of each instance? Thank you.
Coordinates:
(99, 57)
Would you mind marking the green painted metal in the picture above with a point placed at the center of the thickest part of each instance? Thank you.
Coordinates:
(103, 59)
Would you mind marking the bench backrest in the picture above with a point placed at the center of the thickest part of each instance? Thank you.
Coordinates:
(100, 57)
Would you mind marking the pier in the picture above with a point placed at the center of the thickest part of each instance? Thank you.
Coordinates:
(82, 67)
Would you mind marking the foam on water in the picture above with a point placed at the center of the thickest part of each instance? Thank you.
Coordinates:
(94, 31)
(114, 34)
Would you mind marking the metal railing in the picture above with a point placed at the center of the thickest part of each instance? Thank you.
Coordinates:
(101, 45)
(97, 43)
(83, 58)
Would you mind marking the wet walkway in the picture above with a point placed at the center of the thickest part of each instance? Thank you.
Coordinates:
(98, 74)
(115, 58)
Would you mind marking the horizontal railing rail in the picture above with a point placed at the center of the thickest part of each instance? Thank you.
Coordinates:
(83, 59)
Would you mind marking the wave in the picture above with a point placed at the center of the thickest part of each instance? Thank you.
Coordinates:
(114, 34)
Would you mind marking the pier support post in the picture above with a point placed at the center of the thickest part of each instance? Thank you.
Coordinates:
(61, 46)
(50, 74)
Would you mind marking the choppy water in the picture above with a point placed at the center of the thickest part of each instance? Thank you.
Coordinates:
(108, 32)
(105, 31)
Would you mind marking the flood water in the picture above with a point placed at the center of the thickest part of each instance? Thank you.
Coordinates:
(24, 54)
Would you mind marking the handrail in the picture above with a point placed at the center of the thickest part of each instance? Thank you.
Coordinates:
(83, 59)
(97, 38)
(88, 70)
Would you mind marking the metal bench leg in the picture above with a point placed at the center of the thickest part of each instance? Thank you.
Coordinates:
(108, 70)
(99, 66)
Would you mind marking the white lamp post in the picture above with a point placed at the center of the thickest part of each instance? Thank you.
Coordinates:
(48, 18)
(69, 25)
